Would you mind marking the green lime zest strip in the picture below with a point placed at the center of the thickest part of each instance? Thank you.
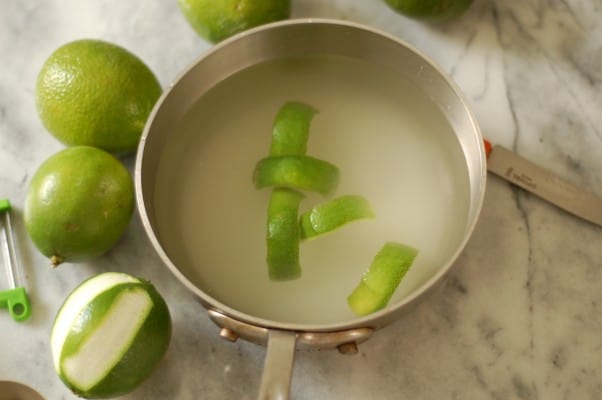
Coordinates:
(381, 280)
(282, 237)
(331, 215)
(296, 172)
(291, 129)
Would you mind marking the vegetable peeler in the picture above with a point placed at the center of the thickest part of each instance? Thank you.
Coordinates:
(15, 297)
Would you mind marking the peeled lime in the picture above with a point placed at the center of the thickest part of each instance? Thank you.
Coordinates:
(90, 92)
(432, 10)
(216, 20)
(109, 335)
(78, 205)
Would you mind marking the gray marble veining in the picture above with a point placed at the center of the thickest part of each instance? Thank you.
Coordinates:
(520, 317)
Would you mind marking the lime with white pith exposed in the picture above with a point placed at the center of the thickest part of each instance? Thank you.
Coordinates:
(109, 335)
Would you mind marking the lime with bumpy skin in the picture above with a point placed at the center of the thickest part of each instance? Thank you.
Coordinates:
(291, 129)
(283, 235)
(333, 214)
(216, 20)
(382, 278)
(79, 204)
(430, 10)
(94, 93)
(296, 172)
(109, 335)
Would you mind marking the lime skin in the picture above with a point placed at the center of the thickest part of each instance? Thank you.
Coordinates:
(94, 93)
(79, 203)
(430, 10)
(216, 20)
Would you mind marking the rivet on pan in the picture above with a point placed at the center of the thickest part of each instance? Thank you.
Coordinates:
(228, 334)
(348, 348)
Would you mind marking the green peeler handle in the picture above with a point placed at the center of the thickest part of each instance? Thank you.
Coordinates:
(17, 302)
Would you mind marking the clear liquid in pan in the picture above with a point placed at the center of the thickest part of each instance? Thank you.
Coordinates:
(391, 144)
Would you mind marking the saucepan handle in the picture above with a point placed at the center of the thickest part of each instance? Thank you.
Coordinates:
(278, 366)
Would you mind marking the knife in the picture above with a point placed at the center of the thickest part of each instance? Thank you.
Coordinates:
(533, 178)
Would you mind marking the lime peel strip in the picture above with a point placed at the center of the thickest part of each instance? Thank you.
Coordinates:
(291, 129)
(282, 239)
(105, 347)
(289, 137)
(382, 278)
(333, 214)
(296, 172)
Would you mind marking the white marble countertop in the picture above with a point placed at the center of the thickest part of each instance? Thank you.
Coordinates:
(519, 318)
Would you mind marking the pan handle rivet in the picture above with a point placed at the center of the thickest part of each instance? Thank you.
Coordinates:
(228, 334)
(348, 348)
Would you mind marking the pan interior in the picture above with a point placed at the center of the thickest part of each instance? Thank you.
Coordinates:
(392, 144)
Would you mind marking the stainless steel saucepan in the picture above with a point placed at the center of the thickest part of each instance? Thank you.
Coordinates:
(300, 38)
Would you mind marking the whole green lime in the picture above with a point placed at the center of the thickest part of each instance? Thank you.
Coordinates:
(90, 92)
(431, 10)
(109, 335)
(216, 20)
(79, 203)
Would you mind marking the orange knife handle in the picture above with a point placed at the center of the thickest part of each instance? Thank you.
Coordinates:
(488, 147)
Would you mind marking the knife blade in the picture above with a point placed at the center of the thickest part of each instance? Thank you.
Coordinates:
(543, 183)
